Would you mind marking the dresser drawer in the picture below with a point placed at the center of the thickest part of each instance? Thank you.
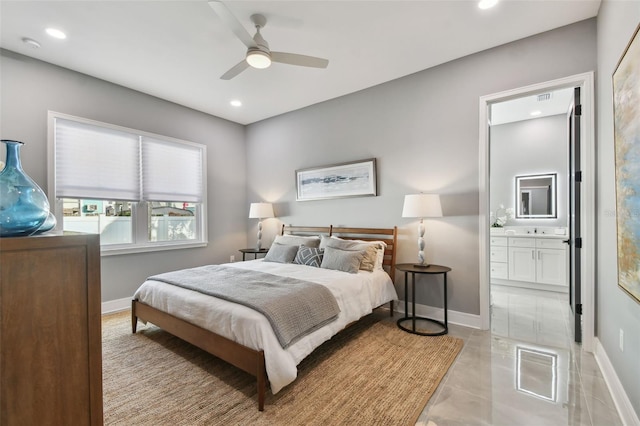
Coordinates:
(498, 241)
(499, 270)
(498, 254)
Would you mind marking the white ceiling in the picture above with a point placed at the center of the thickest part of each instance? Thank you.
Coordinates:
(177, 50)
(553, 103)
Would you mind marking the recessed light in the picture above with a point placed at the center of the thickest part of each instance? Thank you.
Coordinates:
(55, 33)
(30, 42)
(487, 4)
(236, 103)
(535, 113)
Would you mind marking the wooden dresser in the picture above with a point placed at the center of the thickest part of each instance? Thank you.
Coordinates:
(50, 330)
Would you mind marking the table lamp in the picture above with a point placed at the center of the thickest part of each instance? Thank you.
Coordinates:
(260, 211)
(421, 205)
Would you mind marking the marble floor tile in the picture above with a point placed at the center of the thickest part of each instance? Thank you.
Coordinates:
(526, 370)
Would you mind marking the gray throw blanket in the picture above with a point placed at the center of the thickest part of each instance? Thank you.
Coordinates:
(294, 307)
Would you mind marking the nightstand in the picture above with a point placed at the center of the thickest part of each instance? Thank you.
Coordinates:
(255, 252)
(409, 268)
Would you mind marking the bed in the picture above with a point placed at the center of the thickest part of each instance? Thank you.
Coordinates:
(244, 337)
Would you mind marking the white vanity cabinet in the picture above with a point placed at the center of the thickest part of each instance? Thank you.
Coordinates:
(499, 258)
(529, 261)
(538, 260)
(522, 259)
(551, 261)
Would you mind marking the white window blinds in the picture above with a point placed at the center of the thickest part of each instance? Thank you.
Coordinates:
(98, 162)
(171, 172)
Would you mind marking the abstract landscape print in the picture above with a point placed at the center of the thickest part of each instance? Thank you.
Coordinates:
(626, 105)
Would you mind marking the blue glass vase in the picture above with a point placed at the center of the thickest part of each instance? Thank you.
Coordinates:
(24, 208)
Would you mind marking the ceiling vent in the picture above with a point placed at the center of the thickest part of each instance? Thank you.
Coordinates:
(544, 97)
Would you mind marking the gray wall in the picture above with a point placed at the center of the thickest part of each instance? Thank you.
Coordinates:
(29, 88)
(616, 310)
(525, 148)
(423, 129)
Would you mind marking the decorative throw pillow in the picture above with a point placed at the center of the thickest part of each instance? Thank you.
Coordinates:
(309, 256)
(297, 240)
(370, 249)
(342, 260)
(281, 253)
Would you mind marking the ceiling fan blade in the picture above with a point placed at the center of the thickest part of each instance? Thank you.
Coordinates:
(237, 69)
(301, 60)
(232, 22)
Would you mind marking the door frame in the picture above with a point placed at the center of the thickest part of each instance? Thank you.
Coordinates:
(587, 209)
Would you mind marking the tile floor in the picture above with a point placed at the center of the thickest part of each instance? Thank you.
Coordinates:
(525, 371)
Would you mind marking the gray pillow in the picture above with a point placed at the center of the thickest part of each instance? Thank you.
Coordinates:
(309, 256)
(342, 260)
(297, 240)
(281, 253)
(370, 250)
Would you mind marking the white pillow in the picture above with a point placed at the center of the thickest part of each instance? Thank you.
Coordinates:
(380, 246)
(298, 240)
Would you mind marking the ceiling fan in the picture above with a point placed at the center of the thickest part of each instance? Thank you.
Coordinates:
(258, 53)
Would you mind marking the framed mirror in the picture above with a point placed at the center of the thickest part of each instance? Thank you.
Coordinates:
(536, 196)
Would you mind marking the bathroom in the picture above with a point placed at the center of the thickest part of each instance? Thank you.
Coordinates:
(530, 222)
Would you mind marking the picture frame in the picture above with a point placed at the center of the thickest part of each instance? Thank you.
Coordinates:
(343, 180)
(626, 134)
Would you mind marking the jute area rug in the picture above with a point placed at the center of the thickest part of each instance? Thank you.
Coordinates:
(370, 374)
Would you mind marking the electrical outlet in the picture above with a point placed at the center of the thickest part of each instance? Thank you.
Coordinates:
(621, 340)
(232, 258)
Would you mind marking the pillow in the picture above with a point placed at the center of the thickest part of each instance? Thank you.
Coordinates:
(281, 253)
(379, 259)
(309, 256)
(342, 260)
(380, 246)
(297, 240)
(371, 250)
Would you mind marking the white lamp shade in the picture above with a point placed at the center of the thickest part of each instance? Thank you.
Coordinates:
(422, 205)
(261, 210)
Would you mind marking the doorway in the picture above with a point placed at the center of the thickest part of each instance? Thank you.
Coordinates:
(586, 154)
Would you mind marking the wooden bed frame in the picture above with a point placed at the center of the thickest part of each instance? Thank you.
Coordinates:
(245, 358)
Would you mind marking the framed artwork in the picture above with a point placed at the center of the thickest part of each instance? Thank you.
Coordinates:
(353, 179)
(626, 130)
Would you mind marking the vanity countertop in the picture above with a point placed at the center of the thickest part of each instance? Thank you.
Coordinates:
(526, 232)
(537, 236)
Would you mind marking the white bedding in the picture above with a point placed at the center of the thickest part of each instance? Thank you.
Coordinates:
(357, 295)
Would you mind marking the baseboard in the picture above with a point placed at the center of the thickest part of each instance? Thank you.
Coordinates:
(620, 398)
(453, 317)
(118, 305)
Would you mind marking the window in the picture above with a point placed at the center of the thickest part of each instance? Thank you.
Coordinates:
(138, 190)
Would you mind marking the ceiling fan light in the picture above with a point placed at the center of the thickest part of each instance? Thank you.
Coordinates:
(258, 59)
(487, 4)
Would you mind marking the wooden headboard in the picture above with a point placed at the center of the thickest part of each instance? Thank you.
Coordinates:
(388, 235)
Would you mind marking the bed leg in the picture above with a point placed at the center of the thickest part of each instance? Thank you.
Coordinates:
(391, 309)
(134, 318)
(262, 381)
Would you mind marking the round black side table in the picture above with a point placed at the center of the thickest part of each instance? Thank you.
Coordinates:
(410, 268)
(252, 251)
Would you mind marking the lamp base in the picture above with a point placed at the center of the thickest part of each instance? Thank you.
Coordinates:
(421, 265)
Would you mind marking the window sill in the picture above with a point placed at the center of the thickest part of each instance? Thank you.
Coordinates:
(118, 250)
